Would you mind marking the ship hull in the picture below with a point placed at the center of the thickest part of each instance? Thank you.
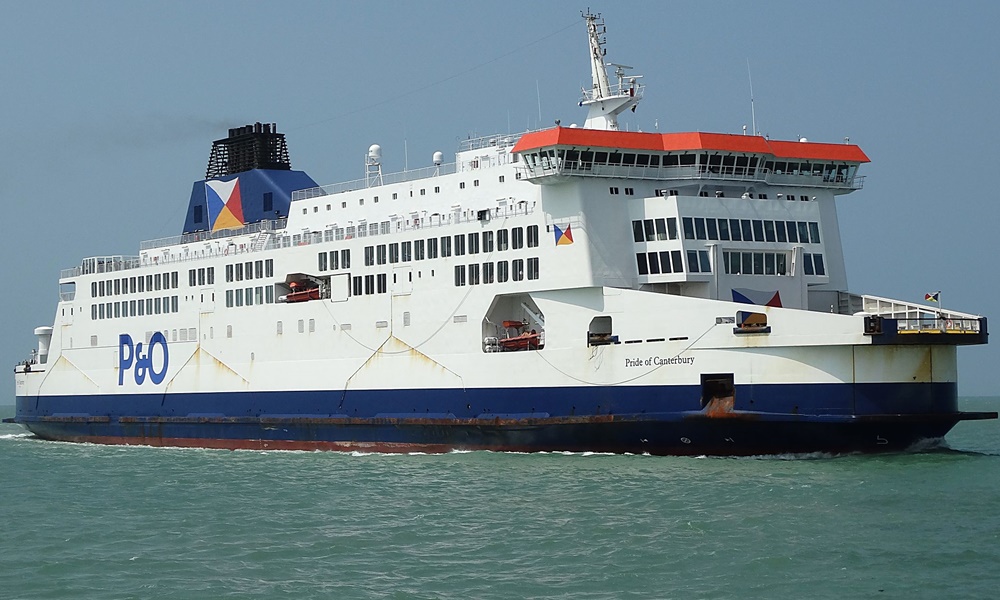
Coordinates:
(662, 421)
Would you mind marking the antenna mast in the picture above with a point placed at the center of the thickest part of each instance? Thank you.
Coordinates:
(753, 115)
(604, 100)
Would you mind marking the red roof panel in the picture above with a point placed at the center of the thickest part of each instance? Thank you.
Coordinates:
(672, 142)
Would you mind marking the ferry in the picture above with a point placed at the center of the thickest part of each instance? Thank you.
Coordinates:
(575, 288)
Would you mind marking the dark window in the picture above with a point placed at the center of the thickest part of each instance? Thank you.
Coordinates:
(459, 245)
(672, 228)
(803, 232)
(758, 230)
(654, 263)
(532, 268)
(487, 241)
(688, 224)
(501, 240)
(661, 229)
(418, 250)
(747, 228)
(517, 269)
(459, 275)
(793, 234)
(502, 271)
(638, 234)
(818, 261)
(487, 272)
(641, 264)
(665, 261)
(369, 284)
(713, 230)
(814, 232)
(380, 283)
(345, 259)
(699, 228)
(779, 231)
(769, 231)
(393, 252)
(407, 251)
(474, 274)
(432, 248)
(517, 238)
(369, 256)
(692, 261)
(533, 236)
(675, 258)
(473, 243)
(734, 230)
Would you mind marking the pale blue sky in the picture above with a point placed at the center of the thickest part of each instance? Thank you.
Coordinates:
(109, 110)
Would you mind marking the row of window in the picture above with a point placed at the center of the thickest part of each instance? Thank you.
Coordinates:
(769, 263)
(485, 273)
(736, 230)
(249, 270)
(334, 260)
(751, 230)
(203, 276)
(250, 296)
(459, 245)
(728, 164)
(134, 308)
(671, 261)
(134, 285)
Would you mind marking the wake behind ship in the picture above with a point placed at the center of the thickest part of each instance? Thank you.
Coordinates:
(573, 288)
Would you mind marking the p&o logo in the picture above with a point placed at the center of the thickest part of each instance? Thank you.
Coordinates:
(152, 362)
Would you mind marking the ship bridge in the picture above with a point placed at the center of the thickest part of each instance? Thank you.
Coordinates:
(552, 155)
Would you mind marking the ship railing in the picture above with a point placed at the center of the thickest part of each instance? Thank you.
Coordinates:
(102, 264)
(560, 167)
(498, 140)
(205, 236)
(909, 316)
(615, 89)
(363, 184)
(508, 208)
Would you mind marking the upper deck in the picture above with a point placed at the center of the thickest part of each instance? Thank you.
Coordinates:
(554, 153)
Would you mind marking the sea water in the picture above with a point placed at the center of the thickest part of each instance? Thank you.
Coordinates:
(88, 521)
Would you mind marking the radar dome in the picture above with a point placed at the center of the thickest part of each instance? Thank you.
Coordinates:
(374, 154)
(438, 158)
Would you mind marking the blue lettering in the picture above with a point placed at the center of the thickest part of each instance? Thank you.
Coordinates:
(131, 355)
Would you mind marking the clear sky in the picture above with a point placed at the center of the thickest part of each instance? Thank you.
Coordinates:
(109, 110)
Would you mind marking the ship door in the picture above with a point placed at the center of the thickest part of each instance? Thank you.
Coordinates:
(718, 393)
(206, 299)
(402, 281)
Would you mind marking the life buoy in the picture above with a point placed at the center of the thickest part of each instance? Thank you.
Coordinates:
(949, 324)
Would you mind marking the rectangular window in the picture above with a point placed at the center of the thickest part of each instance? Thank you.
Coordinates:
(459, 275)
(664, 261)
(675, 258)
(141, 306)
(239, 298)
(704, 262)
(380, 281)
(779, 231)
(407, 248)
(713, 230)
(487, 272)
(769, 263)
(672, 228)
(758, 230)
(248, 293)
(394, 253)
(502, 240)
(532, 236)
(269, 268)
(369, 256)
(699, 228)
(258, 293)
(473, 243)
(747, 228)
(813, 232)
(768, 231)
(191, 277)
(661, 229)
(459, 245)
(239, 274)
(369, 284)
(517, 238)
(345, 259)
(638, 234)
(654, 263)
(173, 280)
(380, 254)
(818, 262)
(356, 286)
(323, 258)
(641, 264)
(808, 264)
(692, 256)
(131, 284)
(418, 250)
(793, 233)
(487, 241)
(502, 271)
(474, 274)
(158, 303)
(432, 248)
(517, 269)
(532, 268)
(688, 224)
(803, 232)
(649, 229)
(735, 231)
(781, 264)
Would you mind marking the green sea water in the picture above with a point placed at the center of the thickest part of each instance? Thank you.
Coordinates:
(86, 521)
